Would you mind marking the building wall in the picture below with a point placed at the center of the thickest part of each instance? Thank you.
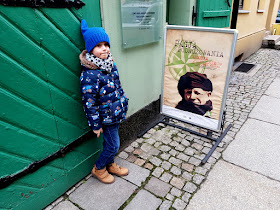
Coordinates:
(251, 26)
(140, 68)
(272, 13)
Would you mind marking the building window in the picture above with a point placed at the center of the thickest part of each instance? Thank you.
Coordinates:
(241, 4)
(244, 6)
(261, 5)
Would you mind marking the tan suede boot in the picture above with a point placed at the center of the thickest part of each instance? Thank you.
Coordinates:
(102, 175)
(117, 170)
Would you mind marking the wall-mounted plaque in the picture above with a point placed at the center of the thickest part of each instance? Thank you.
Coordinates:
(198, 63)
(141, 22)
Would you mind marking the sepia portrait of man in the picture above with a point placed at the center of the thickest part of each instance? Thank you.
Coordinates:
(195, 89)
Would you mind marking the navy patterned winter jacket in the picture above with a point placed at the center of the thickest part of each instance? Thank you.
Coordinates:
(103, 98)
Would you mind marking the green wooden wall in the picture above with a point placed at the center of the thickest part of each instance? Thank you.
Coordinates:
(214, 13)
(40, 109)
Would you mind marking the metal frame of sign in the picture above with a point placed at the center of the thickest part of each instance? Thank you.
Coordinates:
(189, 117)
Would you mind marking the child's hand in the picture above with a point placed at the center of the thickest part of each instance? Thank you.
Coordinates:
(97, 132)
(85, 62)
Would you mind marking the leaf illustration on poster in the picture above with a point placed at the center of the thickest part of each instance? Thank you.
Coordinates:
(183, 58)
(196, 73)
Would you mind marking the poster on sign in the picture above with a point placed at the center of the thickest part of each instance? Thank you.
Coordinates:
(196, 72)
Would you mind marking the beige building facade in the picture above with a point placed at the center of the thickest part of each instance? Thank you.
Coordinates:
(254, 18)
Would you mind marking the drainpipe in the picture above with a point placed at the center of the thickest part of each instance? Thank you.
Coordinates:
(234, 15)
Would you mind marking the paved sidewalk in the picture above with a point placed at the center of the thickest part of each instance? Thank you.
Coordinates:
(165, 165)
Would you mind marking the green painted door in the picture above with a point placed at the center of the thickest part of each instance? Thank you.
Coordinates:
(40, 109)
(214, 13)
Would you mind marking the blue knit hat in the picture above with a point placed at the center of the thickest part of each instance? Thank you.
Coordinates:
(93, 36)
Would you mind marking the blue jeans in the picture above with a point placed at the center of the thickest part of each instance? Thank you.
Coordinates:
(111, 145)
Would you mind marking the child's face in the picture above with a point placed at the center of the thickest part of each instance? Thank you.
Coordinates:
(101, 50)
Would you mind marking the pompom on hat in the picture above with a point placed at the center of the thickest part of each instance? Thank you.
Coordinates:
(93, 36)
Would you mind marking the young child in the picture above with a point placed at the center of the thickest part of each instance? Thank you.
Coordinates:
(104, 100)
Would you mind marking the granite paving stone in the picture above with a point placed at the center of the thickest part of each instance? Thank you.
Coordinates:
(175, 161)
(134, 144)
(176, 192)
(201, 170)
(144, 155)
(185, 143)
(166, 177)
(129, 149)
(131, 158)
(177, 182)
(200, 156)
(187, 176)
(157, 144)
(139, 162)
(166, 165)
(273, 89)
(189, 151)
(154, 152)
(177, 138)
(136, 175)
(151, 131)
(183, 157)
(258, 142)
(188, 167)
(155, 161)
(182, 135)
(211, 160)
(170, 197)
(166, 140)
(157, 172)
(140, 140)
(186, 197)
(195, 161)
(173, 152)
(143, 200)
(190, 187)
(147, 135)
(150, 141)
(197, 179)
(165, 205)
(157, 187)
(165, 156)
(93, 188)
(60, 199)
(232, 187)
(146, 147)
(180, 147)
(164, 148)
(149, 166)
(261, 111)
(65, 205)
(123, 155)
(174, 144)
(137, 152)
(176, 171)
(179, 204)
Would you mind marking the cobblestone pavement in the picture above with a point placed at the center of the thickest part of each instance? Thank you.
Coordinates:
(173, 156)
